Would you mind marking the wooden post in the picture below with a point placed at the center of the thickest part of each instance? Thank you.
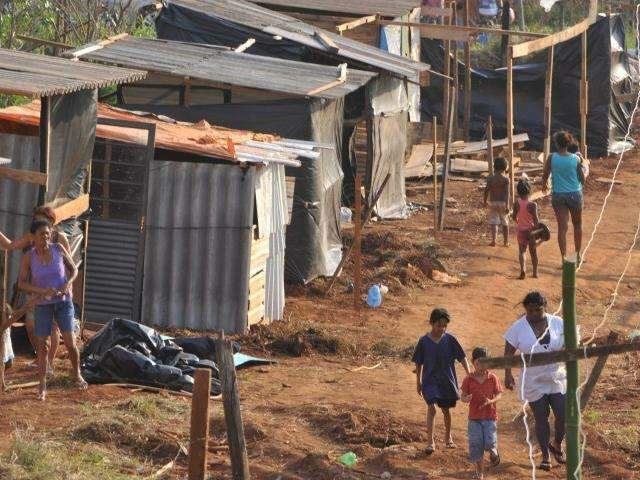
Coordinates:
(106, 178)
(85, 246)
(548, 92)
(467, 78)
(506, 25)
(595, 375)
(584, 98)
(490, 144)
(434, 160)
(447, 72)
(45, 145)
(232, 414)
(456, 75)
(572, 419)
(510, 153)
(199, 424)
(5, 275)
(447, 158)
(357, 240)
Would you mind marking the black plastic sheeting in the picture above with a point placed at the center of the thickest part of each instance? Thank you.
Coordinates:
(127, 352)
(313, 242)
(607, 119)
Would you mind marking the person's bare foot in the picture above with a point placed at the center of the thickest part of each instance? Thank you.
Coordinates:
(506, 244)
(535, 275)
(522, 276)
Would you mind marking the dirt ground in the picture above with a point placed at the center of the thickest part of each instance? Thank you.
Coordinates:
(317, 403)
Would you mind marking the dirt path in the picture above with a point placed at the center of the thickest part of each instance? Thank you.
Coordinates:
(481, 309)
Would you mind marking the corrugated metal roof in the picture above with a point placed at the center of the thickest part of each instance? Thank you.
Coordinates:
(199, 139)
(36, 76)
(386, 8)
(278, 24)
(222, 65)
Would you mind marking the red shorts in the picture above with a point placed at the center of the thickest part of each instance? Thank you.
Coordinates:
(523, 237)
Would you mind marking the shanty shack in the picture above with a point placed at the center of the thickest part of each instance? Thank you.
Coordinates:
(49, 160)
(188, 221)
(376, 117)
(290, 99)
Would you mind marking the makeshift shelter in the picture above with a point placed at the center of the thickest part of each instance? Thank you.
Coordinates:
(609, 80)
(188, 221)
(49, 163)
(238, 90)
(380, 109)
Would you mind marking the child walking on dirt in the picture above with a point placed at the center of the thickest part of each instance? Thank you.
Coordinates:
(528, 229)
(435, 357)
(482, 390)
(496, 199)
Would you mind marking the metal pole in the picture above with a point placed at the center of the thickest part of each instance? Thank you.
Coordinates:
(572, 420)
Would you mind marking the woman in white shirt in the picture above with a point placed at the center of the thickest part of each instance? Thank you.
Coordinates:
(543, 387)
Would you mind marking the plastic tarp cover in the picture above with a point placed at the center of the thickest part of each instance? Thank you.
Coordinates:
(387, 95)
(607, 119)
(313, 241)
(128, 352)
(389, 144)
(179, 23)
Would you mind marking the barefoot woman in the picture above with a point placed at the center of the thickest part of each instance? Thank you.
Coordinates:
(43, 272)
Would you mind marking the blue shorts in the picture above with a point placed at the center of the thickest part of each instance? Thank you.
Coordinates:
(483, 437)
(573, 200)
(61, 311)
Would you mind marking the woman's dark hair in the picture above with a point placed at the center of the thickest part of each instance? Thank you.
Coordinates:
(563, 139)
(500, 164)
(573, 148)
(37, 225)
(438, 314)
(46, 211)
(479, 352)
(535, 298)
(524, 187)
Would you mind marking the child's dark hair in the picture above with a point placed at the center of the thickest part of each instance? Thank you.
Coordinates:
(438, 314)
(37, 225)
(563, 139)
(573, 148)
(500, 164)
(524, 187)
(534, 298)
(479, 352)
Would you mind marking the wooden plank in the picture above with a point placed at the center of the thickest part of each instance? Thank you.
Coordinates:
(441, 34)
(418, 165)
(510, 155)
(27, 176)
(546, 358)
(466, 165)
(45, 145)
(476, 147)
(256, 299)
(199, 433)
(232, 412)
(97, 46)
(447, 72)
(584, 98)
(548, 92)
(326, 40)
(456, 74)
(532, 46)
(256, 315)
(335, 83)
(596, 371)
(41, 41)
(242, 47)
(343, 27)
(461, 29)
(490, 144)
(357, 240)
(434, 156)
(435, 12)
(72, 208)
(447, 158)
(467, 78)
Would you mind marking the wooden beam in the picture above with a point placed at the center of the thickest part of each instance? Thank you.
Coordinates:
(27, 176)
(242, 47)
(41, 41)
(548, 94)
(75, 55)
(546, 358)
(434, 156)
(447, 156)
(447, 72)
(232, 413)
(436, 12)
(596, 371)
(343, 27)
(510, 153)
(467, 79)
(324, 38)
(199, 433)
(72, 208)
(441, 34)
(45, 146)
(527, 48)
(584, 97)
(335, 83)
(430, 27)
(357, 240)
(490, 144)
(456, 76)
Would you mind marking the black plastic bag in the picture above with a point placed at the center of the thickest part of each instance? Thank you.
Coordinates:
(202, 347)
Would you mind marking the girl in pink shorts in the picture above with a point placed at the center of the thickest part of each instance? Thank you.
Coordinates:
(529, 230)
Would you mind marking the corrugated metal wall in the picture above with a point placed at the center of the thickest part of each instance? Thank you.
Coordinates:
(17, 199)
(198, 241)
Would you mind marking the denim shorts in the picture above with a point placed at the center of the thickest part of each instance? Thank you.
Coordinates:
(572, 200)
(62, 312)
(483, 437)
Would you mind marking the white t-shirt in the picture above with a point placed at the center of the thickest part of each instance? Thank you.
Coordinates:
(545, 379)
(8, 348)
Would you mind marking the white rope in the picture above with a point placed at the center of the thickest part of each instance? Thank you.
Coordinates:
(614, 294)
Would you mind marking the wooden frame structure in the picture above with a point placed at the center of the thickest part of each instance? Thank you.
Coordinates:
(548, 43)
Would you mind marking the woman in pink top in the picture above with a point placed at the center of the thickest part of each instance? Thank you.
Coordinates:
(525, 214)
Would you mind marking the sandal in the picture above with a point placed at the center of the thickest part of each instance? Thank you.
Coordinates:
(494, 457)
(430, 449)
(81, 384)
(545, 465)
(451, 445)
(42, 395)
(558, 454)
